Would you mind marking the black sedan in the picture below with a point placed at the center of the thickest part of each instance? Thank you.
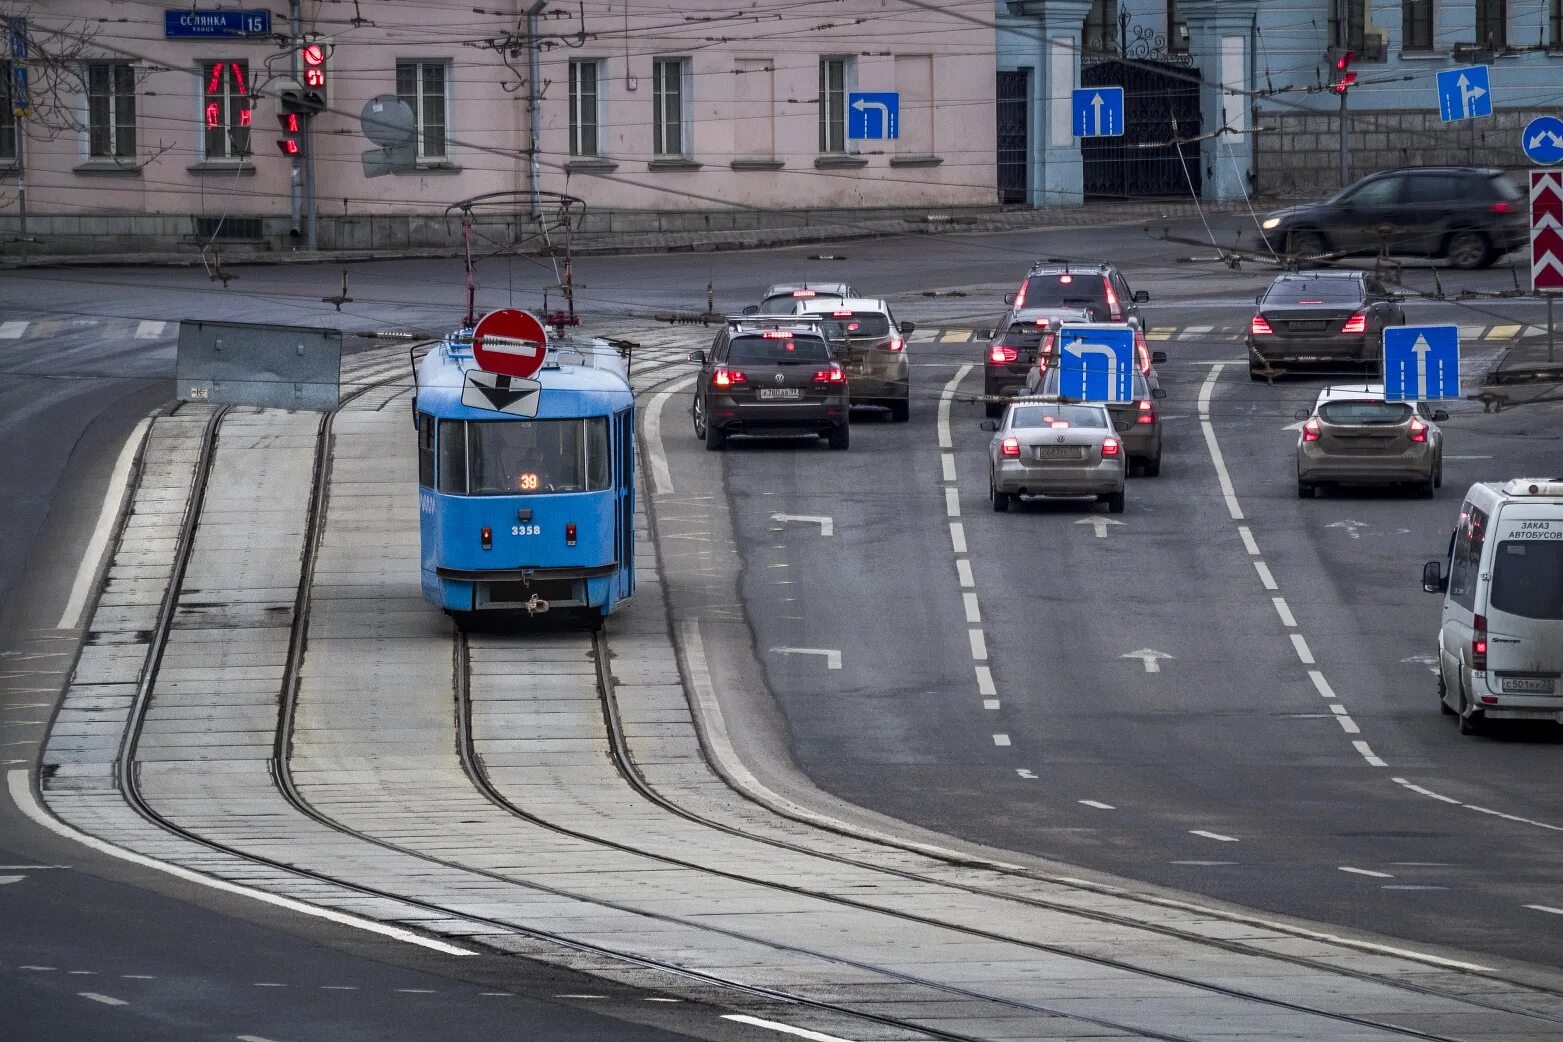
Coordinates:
(1334, 319)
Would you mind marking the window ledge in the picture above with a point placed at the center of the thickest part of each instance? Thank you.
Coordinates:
(590, 165)
(222, 169)
(757, 164)
(672, 163)
(107, 168)
(1424, 56)
(916, 160)
(840, 162)
(436, 167)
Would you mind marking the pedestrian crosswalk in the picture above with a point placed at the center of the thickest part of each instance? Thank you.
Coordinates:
(104, 328)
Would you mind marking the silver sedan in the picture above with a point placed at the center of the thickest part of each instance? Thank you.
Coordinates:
(1044, 447)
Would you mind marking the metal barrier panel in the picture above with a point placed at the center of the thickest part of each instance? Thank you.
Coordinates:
(246, 363)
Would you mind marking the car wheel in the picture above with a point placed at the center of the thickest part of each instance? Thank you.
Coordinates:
(716, 438)
(1114, 503)
(1000, 500)
(839, 438)
(700, 419)
(1306, 243)
(1305, 489)
(1469, 249)
(1471, 722)
(900, 409)
(1152, 467)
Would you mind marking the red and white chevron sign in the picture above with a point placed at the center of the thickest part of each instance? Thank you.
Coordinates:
(1546, 231)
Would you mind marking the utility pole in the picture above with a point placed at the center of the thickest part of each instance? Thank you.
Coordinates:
(533, 95)
(296, 174)
(21, 106)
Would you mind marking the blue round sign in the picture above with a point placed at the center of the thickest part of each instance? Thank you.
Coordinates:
(1542, 140)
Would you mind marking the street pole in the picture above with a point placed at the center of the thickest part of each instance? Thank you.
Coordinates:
(1343, 42)
(1343, 141)
(20, 106)
(296, 174)
(533, 74)
(1549, 329)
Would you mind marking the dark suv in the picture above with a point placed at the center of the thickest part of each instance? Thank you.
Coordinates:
(1470, 215)
(1068, 287)
(770, 377)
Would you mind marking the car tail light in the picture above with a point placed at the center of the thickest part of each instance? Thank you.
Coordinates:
(804, 294)
(1147, 411)
(1010, 447)
(1310, 429)
(486, 537)
(569, 535)
(1479, 642)
(1418, 431)
(1500, 208)
(728, 377)
(775, 334)
(1020, 294)
(1109, 448)
(1357, 323)
(998, 354)
(833, 375)
(1112, 299)
(1144, 351)
(896, 344)
(841, 314)
(1259, 326)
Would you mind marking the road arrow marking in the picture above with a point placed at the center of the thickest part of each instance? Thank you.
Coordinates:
(1150, 657)
(1350, 526)
(826, 525)
(1100, 523)
(832, 656)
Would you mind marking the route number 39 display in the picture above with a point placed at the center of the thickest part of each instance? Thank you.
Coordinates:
(527, 482)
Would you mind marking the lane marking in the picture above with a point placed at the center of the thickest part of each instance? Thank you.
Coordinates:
(973, 612)
(1001, 739)
(1367, 754)
(1411, 886)
(1304, 653)
(1213, 835)
(569, 995)
(150, 329)
(1367, 872)
(1264, 575)
(12, 330)
(1024, 773)
(1150, 658)
(990, 703)
(92, 556)
(251, 1038)
(18, 784)
(1321, 684)
(947, 463)
(985, 685)
(1097, 804)
(958, 536)
(946, 398)
(1100, 524)
(952, 502)
(979, 645)
(963, 570)
(785, 1029)
(1209, 430)
(1248, 540)
(661, 475)
(827, 526)
(107, 1000)
(1284, 611)
(831, 656)
(1347, 724)
(1546, 908)
(1202, 863)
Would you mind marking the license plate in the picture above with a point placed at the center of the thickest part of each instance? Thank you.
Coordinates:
(1529, 685)
(1306, 327)
(779, 394)
(1055, 452)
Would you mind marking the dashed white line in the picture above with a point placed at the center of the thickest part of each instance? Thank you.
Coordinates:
(1304, 653)
(1203, 864)
(958, 536)
(990, 703)
(12, 330)
(1545, 908)
(1320, 684)
(963, 571)
(1213, 835)
(979, 645)
(339, 987)
(952, 502)
(1366, 872)
(947, 462)
(1248, 540)
(985, 686)
(251, 1038)
(267, 984)
(1024, 773)
(1265, 576)
(1001, 739)
(973, 612)
(1427, 792)
(1367, 754)
(417, 991)
(1284, 611)
(785, 1029)
(1098, 804)
(136, 976)
(107, 1000)
(568, 995)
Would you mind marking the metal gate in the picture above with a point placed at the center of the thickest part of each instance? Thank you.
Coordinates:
(1014, 168)
(1158, 154)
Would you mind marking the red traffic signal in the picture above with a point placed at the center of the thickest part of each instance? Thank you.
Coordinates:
(291, 142)
(1345, 79)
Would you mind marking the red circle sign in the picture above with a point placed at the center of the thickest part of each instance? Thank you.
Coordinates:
(510, 342)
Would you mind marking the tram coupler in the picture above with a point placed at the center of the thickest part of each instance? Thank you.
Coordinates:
(536, 606)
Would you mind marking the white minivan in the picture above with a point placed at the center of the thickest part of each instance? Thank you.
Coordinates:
(1500, 644)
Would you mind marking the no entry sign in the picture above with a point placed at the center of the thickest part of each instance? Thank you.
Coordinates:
(510, 342)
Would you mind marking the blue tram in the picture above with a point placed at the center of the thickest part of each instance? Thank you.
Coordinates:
(526, 488)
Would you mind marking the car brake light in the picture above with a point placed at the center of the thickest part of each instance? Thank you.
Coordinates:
(833, 375)
(1310, 430)
(1109, 448)
(1147, 412)
(1064, 280)
(775, 334)
(1020, 294)
(1500, 208)
(1418, 431)
(841, 314)
(1357, 323)
(1479, 642)
(998, 354)
(728, 377)
(1112, 299)
(804, 293)
(1259, 326)
(896, 344)
(1010, 447)
(1143, 350)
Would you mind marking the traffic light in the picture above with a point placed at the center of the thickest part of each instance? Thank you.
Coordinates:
(314, 72)
(1344, 79)
(291, 143)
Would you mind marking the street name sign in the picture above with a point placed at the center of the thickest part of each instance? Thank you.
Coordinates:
(1097, 111)
(1464, 93)
(873, 115)
(1542, 140)
(189, 23)
(510, 342)
(1096, 365)
(1546, 231)
(1421, 363)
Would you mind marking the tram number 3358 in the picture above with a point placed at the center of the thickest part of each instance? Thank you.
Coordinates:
(526, 529)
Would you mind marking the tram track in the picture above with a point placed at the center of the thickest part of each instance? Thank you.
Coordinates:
(623, 762)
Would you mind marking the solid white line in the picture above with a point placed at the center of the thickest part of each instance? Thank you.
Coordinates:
(979, 645)
(1546, 908)
(22, 795)
(963, 570)
(1303, 651)
(1264, 575)
(1367, 754)
(1227, 492)
(1202, 864)
(92, 556)
(831, 656)
(1366, 872)
(990, 703)
(1248, 541)
(1213, 835)
(958, 536)
(1322, 685)
(661, 476)
(985, 685)
(973, 612)
(947, 464)
(952, 502)
(1097, 804)
(946, 397)
(251, 1038)
(1001, 739)
(785, 1029)
(107, 1000)
(1284, 611)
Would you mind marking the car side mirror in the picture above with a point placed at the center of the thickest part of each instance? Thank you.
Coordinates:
(1302, 414)
(1009, 298)
(908, 328)
(1433, 578)
(1141, 296)
(697, 357)
(752, 309)
(1158, 358)
(989, 425)
(1440, 415)
(1157, 392)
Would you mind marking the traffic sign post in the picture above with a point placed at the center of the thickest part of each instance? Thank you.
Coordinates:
(1096, 365)
(1421, 363)
(1542, 140)
(510, 342)
(874, 115)
(1097, 111)
(1464, 93)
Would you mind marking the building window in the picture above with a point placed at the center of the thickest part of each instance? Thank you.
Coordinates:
(10, 122)
(1416, 25)
(832, 105)
(1177, 30)
(1100, 33)
(1555, 25)
(422, 86)
(583, 108)
(225, 108)
(1492, 23)
(667, 98)
(111, 110)
(1351, 34)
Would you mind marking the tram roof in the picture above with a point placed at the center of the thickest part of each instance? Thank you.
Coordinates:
(568, 389)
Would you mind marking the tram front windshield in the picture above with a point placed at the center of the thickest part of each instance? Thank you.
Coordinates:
(524, 457)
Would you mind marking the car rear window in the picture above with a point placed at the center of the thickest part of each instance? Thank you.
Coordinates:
(1023, 334)
(1527, 578)
(839, 326)
(1364, 412)
(1318, 291)
(764, 350)
(1053, 415)
(1066, 290)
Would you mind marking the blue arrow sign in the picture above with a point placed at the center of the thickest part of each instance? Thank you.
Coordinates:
(1464, 93)
(1421, 363)
(1542, 140)
(1096, 365)
(1097, 111)
(873, 115)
